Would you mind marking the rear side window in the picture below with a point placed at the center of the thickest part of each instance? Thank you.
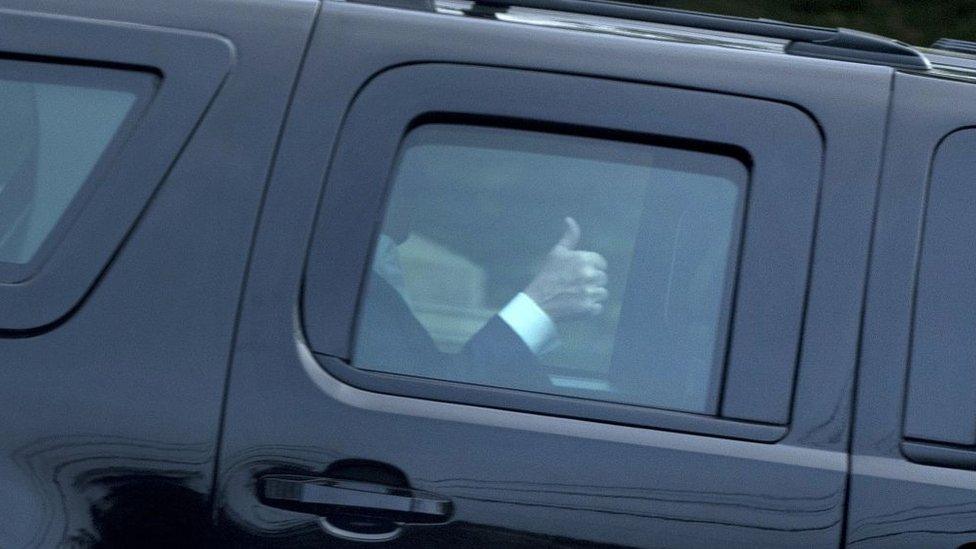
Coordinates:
(59, 122)
(478, 243)
(941, 402)
(561, 264)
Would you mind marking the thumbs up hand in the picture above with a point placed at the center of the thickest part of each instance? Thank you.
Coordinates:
(572, 283)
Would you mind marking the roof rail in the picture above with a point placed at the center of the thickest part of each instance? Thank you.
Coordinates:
(951, 44)
(806, 41)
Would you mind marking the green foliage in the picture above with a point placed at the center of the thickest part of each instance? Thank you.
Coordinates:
(913, 21)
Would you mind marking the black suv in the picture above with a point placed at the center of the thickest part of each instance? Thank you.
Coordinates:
(443, 273)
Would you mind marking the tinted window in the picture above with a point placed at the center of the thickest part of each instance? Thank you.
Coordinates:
(552, 263)
(942, 386)
(53, 133)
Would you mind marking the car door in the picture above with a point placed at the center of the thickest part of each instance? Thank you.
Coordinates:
(382, 390)
(134, 146)
(913, 458)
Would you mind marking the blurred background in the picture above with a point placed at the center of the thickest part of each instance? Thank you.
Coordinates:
(917, 22)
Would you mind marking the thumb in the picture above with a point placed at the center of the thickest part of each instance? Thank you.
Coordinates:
(571, 236)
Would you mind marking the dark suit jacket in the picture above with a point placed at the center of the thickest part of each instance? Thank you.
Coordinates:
(391, 339)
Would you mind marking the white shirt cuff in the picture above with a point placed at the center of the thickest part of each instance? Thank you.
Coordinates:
(530, 323)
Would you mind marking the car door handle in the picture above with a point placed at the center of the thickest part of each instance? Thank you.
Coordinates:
(330, 496)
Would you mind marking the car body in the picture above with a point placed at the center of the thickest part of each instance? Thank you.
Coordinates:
(177, 346)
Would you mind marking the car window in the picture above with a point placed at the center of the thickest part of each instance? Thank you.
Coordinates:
(566, 264)
(52, 136)
(941, 402)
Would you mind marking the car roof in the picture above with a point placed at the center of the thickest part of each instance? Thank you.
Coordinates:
(666, 24)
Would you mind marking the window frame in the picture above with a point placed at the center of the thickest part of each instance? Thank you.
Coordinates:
(937, 421)
(187, 69)
(752, 130)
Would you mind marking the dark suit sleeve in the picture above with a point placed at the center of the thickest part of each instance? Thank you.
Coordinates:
(391, 339)
(499, 356)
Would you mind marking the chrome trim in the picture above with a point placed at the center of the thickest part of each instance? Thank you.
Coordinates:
(349, 535)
